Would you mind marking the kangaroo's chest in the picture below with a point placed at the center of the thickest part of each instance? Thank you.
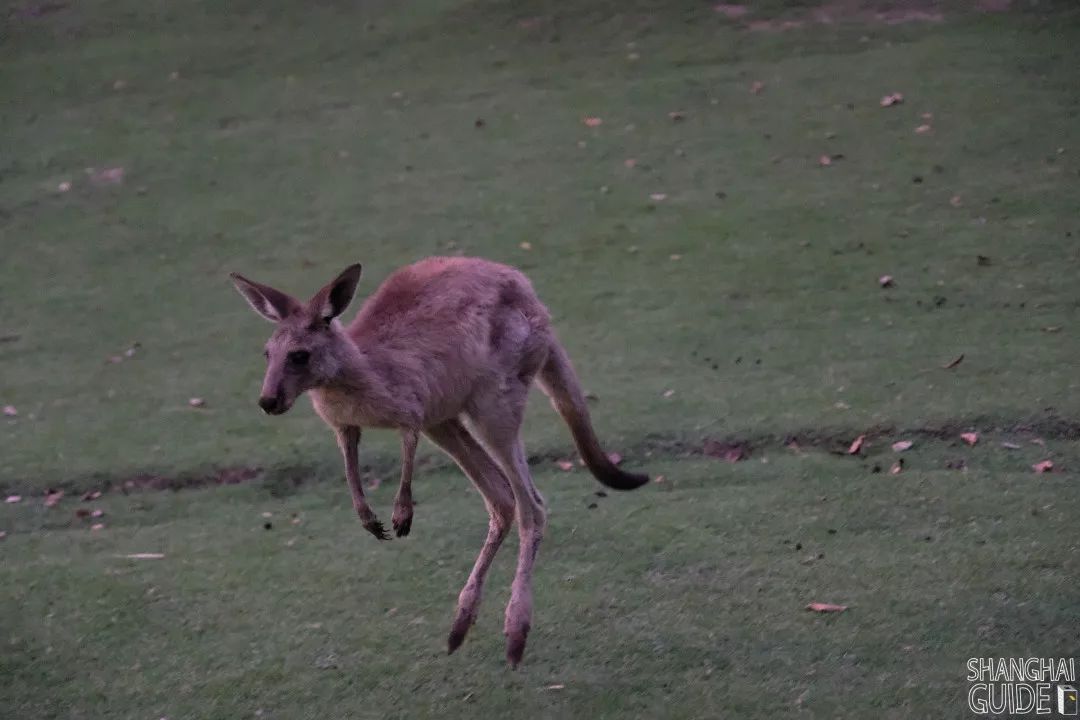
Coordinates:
(339, 407)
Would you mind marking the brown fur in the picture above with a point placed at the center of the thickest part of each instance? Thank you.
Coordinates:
(447, 347)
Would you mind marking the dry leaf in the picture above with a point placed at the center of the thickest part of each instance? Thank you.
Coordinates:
(892, 99)
(1038, 441)
(677, 115)
(886, 281)
(526, 245)
(108, 176)
(923, 129)
(731, 12)
(12, 499)
(91, 495)
(897, 467)
(64, 186)
(97, 513)
(970, 437)
(668, 393)
(676, 256)
(1052, 329)
(659, 479)
(856, 445)
(3, 534)
(143, 556)
(902, 445)
(52, 497)
(826, 607)
(267, 514)
(593, 122)
(954, 362)
(97, 526)
(1010, 446)
(658, 197)
(955, 201)
(10, 411)
(565, 465)
(824, 161)
(557, 686)
(756, 87)
(196, 402)
(1043, 467)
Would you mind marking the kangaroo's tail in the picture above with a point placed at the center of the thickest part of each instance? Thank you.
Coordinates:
(558, 380)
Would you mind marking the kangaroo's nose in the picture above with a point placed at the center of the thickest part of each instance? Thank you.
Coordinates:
(269, 404)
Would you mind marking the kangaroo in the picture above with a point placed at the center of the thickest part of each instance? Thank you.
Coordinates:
(447, 347)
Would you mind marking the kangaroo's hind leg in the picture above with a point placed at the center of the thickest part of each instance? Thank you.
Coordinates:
(485, 474)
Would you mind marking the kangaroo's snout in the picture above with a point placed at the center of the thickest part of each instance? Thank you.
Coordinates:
(272, 405)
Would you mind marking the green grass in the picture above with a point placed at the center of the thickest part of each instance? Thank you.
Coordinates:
(286, 140)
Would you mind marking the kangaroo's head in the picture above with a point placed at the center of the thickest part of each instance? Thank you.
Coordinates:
(308, 348)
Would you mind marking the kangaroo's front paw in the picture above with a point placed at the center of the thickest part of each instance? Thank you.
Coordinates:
(402, 518)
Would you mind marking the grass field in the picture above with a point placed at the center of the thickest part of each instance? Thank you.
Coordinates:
(711, 277)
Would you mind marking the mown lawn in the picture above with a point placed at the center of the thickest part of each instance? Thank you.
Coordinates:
(709, 275)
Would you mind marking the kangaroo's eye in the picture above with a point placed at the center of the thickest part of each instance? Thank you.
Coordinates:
(299, 357)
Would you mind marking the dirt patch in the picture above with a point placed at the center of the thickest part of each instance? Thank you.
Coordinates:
(898, 12)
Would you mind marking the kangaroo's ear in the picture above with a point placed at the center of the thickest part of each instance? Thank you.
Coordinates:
(272, 304)
(332, 300)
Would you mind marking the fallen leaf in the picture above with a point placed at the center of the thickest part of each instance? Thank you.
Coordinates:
(1052, 329)
(658, 197)
(955, 201)
(923, 129)
(1010, 446)
(526, 245)
(97, 513)
(12, 499)
(615, 458)
(826, 607)
(824, 161)
(267, 514)
(892, 99)
(295, 520)
(1038, 441)
(954, 362)
(675, 256)
(144, 556)
(970, 437)
(676, 115)
(902, 445)
(97, 526)
(556, 686)
(91, 495)
(64, 186)
(108, 176)
(659, 479)
(196, 402)
(10, 411)
(886, 281)
(3, 534)
(1043, 467)
(593, 122)
(52, 497)
(731, 11)
(565, 465)
(756, 87)
(668, 393)
(856, 445)
(897, 467)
